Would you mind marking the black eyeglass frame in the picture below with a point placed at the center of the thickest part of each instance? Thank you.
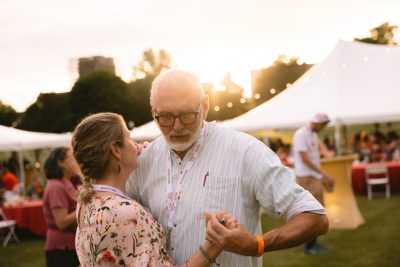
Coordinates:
(174, 117)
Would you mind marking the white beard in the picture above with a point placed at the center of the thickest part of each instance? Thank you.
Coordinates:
(185, 145)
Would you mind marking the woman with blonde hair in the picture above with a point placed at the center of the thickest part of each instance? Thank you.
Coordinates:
(114, 230)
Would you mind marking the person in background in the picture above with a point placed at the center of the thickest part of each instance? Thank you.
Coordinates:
(9, 179)
(13, 163)
(307, 166)
(59, 204)
(114, 230)
(198, 166)
(2, 188)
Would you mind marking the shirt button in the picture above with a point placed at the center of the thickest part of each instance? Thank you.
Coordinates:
(172, 249)
(175, 225)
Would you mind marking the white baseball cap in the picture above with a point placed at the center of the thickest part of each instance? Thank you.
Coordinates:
(320, 118)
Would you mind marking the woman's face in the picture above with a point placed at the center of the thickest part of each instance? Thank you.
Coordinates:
(69, 166)
(129, 152)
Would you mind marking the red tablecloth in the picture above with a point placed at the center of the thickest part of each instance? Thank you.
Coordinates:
(358, 178)
(28, 215)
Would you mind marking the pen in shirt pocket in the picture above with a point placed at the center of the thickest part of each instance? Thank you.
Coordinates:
(205, 178)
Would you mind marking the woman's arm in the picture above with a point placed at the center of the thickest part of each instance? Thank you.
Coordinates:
(63, 219)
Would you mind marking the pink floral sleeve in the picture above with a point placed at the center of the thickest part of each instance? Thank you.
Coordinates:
(120, 232)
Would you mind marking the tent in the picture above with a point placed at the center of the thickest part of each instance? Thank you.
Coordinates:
(12, 139)
(146, 132)
(357, 83)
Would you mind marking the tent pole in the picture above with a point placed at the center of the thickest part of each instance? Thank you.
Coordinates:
(337, 138)
(21, 171)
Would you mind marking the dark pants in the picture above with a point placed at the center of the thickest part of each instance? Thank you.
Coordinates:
(62, 258)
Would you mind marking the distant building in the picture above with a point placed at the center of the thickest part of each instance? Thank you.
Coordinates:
(89, 64)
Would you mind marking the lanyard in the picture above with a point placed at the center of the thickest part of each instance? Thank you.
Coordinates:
(173, 195)
(107, 188)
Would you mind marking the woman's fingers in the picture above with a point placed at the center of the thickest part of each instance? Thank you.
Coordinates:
(231, 223)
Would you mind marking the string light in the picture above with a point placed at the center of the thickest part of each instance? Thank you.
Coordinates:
(243, 100)
(257, 96)
(229, 104)
(216, 108)
(272, 91)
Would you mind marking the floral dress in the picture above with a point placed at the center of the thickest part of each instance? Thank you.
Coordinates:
(115, 231)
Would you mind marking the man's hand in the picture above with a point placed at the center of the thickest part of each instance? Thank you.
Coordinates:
(328, 182)
(237, 240)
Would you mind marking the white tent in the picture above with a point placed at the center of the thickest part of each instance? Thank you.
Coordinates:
(12, 139)
(146, 132)
(356, 83)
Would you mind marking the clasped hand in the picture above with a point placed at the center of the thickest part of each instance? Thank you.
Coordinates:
(224, 231)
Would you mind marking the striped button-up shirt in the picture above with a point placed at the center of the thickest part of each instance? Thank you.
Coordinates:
(233, 172)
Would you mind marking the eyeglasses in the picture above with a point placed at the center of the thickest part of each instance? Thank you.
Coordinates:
(186, 118)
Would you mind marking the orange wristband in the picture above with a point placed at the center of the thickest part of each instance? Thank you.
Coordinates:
(260, 245)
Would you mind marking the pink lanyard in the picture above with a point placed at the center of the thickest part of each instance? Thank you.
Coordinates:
(107, 188)
(173, 196)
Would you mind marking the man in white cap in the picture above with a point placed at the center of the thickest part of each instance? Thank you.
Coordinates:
(307, 165)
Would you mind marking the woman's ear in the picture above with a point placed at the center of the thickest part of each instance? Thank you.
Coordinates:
(115, 150)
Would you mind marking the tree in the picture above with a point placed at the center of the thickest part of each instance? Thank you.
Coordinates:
(226, 104)
(152, 64)
(100, 91)
(140, 100)
(50, 113)
(270, 81)
(8, 115)
(383, 34)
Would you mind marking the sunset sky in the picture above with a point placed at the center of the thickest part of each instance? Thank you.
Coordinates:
(40, 40)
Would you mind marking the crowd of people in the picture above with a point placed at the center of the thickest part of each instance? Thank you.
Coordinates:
(376, 146)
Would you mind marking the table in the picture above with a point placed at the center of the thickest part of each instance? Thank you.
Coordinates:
(340, 204)
(28, 215)
(358, 178)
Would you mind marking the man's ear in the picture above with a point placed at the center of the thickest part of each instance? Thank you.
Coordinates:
(115, 150)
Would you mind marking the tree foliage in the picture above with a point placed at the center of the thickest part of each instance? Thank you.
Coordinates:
(383, 34)
(152, 64)
(8, 115)
(49, 113)
(140, 107)
(225, 102)
(100, 91)
(270, 81)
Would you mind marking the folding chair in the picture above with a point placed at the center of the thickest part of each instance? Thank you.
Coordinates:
(376, 174)
(10, 225)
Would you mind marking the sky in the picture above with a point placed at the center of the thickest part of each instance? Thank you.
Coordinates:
(41, 40)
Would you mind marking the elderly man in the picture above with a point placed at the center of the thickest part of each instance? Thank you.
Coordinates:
(198, 166)
(306, 153)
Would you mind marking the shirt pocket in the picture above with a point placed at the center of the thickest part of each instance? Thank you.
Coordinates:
(219, 194)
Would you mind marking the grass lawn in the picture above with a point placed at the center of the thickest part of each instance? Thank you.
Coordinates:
(376, 243)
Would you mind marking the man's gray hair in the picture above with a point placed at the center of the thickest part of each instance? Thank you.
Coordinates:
(175, 78)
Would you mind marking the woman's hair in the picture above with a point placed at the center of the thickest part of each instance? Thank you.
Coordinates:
(51, 168)
(91, 142)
